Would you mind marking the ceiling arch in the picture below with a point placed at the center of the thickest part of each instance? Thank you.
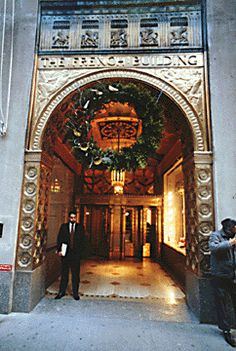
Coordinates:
(199, 144)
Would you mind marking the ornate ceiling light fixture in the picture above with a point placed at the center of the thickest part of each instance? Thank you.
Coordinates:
(119, 129)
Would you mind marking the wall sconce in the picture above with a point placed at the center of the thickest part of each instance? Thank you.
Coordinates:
(55, 186)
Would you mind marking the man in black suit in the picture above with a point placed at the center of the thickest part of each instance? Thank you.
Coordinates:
(69, 247)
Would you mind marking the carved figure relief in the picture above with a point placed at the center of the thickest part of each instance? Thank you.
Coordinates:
(61, 32)
(149, 38)
(179, 36)
(89, 39)
(119, 38)
(190, 83)
(60, 39)
(49, 82)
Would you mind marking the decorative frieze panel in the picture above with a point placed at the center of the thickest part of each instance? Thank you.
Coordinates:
(120, 31)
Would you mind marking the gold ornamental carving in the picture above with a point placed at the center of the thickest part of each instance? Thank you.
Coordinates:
(33, 219)
(199, 211)
(28, 212)
(190, 83)
(39, 123)
(49, 83)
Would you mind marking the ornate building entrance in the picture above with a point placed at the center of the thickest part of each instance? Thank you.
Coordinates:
(172, 195)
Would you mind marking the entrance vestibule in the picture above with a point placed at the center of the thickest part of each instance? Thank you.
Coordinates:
(179, 142)
(135, 224)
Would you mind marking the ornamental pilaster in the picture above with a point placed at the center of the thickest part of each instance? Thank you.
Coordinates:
(199, 210)
(28, 215)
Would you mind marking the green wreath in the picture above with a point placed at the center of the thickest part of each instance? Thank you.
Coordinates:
(86, 103)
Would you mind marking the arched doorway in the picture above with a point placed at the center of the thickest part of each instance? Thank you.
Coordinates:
(189, 143)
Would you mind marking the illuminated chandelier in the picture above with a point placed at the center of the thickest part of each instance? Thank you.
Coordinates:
(117, 132)
(118, 175)
(118, 181)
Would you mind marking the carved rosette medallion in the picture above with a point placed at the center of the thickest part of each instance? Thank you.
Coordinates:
(199, 211)
(205, 207)
(28, 212)
(33, 220)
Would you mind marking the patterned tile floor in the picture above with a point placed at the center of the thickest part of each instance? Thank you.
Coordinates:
(125, 279)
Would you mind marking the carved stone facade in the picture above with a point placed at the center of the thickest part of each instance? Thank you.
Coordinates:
(178, 75)
(172, 29)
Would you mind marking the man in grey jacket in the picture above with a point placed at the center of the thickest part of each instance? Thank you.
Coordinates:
(222, 245)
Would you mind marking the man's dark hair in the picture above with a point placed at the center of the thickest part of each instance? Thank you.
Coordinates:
(72, 212)
(228, 223)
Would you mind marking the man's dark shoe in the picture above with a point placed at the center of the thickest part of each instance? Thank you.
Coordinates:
(76, 297)
(59, 296)
(229, 338)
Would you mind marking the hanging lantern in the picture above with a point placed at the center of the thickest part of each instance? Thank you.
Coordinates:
(118, 181)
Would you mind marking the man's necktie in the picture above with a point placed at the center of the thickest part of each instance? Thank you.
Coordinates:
(72, 234)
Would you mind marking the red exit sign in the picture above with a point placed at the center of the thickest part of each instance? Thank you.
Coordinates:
(5, 267)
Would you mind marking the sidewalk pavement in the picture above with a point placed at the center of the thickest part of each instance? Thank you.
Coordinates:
(108, 325)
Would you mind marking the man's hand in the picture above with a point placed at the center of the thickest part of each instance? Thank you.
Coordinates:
(59, 253)
(232, 241)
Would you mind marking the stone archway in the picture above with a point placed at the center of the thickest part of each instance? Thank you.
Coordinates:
(198, 184)
(200, 142)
